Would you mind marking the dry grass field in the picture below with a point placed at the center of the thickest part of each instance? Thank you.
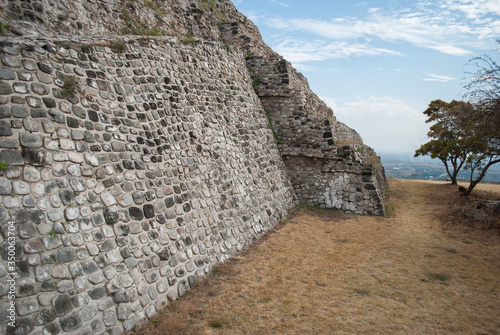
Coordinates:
(416, 271)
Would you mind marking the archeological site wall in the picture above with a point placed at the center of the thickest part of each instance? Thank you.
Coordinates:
(329, 165)
(130, 166)
(128, 176)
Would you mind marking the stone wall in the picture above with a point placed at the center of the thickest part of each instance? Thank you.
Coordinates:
(128, 176)
(329, 165)
(130, 165)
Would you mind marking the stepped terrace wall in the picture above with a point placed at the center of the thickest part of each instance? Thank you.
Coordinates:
(127, 175)
(329, 165)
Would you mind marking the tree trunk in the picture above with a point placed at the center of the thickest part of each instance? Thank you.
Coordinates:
(473, 183)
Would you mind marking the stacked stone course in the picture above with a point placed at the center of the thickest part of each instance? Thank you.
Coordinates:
(129, 189)
(327, 161)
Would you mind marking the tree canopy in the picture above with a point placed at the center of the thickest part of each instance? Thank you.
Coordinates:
(466, 135)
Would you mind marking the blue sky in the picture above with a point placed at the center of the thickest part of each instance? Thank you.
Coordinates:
(378, 64)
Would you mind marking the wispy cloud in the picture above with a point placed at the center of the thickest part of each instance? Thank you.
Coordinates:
(280, 3)
(298, 51)
(436, 77)
(455, 27)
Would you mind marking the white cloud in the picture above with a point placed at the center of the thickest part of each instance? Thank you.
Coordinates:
(281, 3)
(297, 51)
(435, 77)
(442, 28)
(385, 123)
(474, 9)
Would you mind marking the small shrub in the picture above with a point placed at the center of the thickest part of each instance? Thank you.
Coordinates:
(443, 277)
(276, 137)
(256, 81)
(118, 46)
(71, 86)
(218, 323)
(188, 39)
(4, 28)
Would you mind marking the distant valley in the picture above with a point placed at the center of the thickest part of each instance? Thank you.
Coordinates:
(405, 166)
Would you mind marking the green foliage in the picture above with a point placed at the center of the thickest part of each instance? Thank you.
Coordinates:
(207, 5)
(219, 323)
(443, 277)
(276, 137)
(71, 86)
(449, 135)
(389, 210)
(52, 233)
(256, 81)
(3, 166)
(118, 46)
(461, 137)
(136, 26)
(4, 28)
(188, 39)
(157, 8)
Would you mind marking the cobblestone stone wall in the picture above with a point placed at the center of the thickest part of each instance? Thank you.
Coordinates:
(128, 176)
(129, 166)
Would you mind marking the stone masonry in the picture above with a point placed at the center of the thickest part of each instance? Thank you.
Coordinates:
(131, 165)
(126, 192)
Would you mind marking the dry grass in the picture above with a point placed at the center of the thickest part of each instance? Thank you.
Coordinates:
(328, 273)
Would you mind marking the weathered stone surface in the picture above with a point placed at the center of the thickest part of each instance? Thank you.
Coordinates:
(62, 304)
(30, 140)
(5, 128)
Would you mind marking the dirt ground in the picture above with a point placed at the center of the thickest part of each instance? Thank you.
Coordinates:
(321, 272)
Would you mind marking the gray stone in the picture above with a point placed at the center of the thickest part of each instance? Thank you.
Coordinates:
(5, 128)
(5, 186)
(19, 111)
(110, 216)
(63, 304)
(52, 329)
(80, 112)
(90, 267)
(44, 317)
(30, 140)
(66, 255)
(149, 211)
(20, 187)
(11, 157)
(26, 306)
(123, 312)
(6, 74)
(23, 326)
(40, 89)
(5, 88)
(60, 272)
(5, 112)
(71, 322)
(33, 246)
(71, 213)
(31, 174)
(97, 293)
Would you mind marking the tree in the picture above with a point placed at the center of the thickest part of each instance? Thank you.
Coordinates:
(467, 134)
(447, 135)
(484, 94)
